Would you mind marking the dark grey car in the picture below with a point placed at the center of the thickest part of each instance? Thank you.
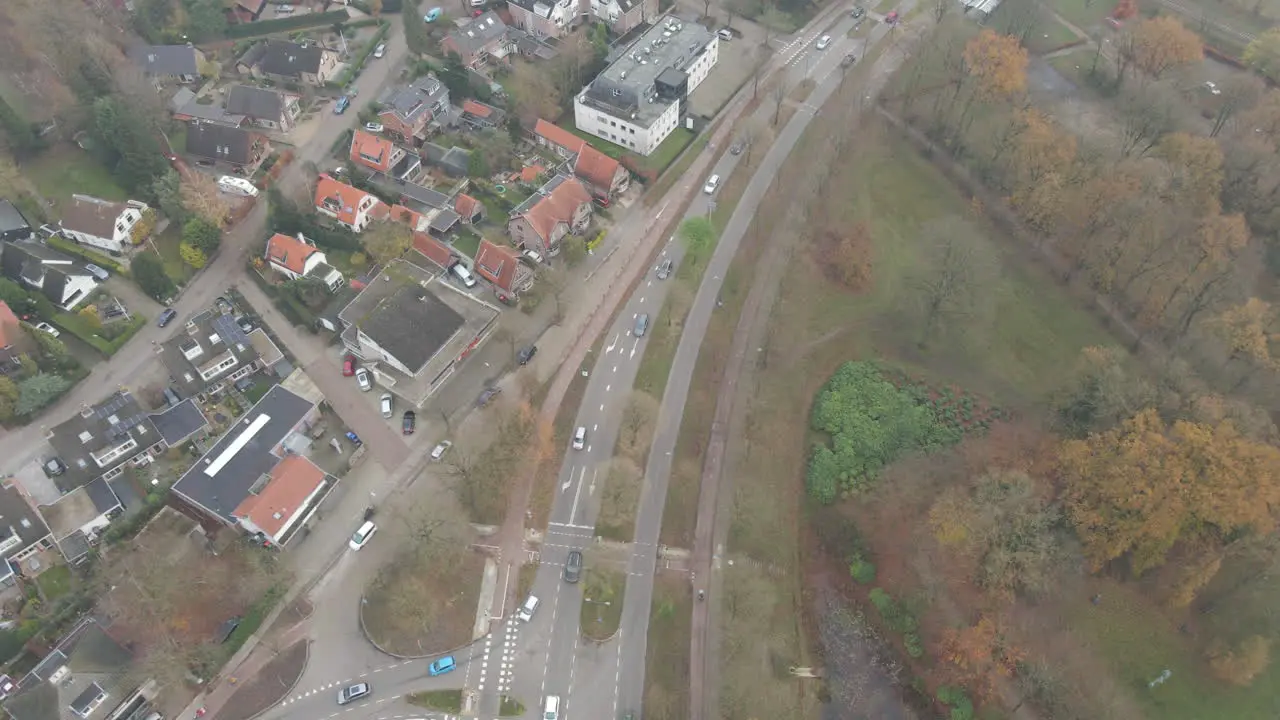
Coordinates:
(573, 567)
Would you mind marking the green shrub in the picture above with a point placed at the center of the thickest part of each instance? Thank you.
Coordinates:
(863, 572)
(911, 641)
(895, 615)
(958, 700)
(61, 244)
(882, 600)
(285, 24)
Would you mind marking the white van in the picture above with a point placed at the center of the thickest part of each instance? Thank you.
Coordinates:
(461, 272)
(237, 186)
(552, 711)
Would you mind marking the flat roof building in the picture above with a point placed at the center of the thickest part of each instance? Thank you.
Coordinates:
(643, 95)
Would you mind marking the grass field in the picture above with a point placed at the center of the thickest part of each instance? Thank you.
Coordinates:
(601, 613)
(55, 582)
(666, 675)
(66, 170)
(1083, 13)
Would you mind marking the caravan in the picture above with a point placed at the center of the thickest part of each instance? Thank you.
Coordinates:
(237, 186)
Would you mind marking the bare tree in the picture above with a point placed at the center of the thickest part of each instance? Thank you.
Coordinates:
(954, 275)
(779, 95)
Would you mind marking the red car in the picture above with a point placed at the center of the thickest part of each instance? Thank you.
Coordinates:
(891, 18)
(348, 365)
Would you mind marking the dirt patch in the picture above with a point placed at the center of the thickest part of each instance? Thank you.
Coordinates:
(270, 685)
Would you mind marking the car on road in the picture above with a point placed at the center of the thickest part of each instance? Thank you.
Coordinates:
(737, 148)
(486, 395)
(432, 15)
(580, 438)
(442, 666)
(353, 693)
(97, 272)
(48, 328)
(409, 422)
(858, 12)
(386, 404)
(642, 324)
(363, 380)
(664, 269)
(526, 611)
(341, 106)
(373, 127)
(724, 34)
(848, 60)
(166, 317)
(573, 567)
(823, 42)
(284, 9)
(439, 450)
(526, 354)
(381, 50)
(551, 709)
(361, 536)
(348, 365)
(891, 18)
(713, 182)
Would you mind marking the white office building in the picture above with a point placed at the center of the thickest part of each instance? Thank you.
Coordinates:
(644, 95)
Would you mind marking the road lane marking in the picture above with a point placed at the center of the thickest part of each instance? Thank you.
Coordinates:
(560, 524)
(615, 368)
(601, 407)
(607, 388)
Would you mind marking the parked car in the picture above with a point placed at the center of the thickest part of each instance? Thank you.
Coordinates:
(166, 317)
(823, 42)
(341, 106)
(712, 183)
(432, 15)
(601, 201)
(439, 450)
(848, 60)
(409, 422)
(361, 536)
(725, 34)
(664, 269)
(487, 395)
(48, 328)
(363, 380)
(526, 354)
(97, 271)
(386, 403)
(530, 606)
(373, 127)
(891, 18)
(858, 12)
(54, 467)
(573, 567)
(381, 50)
(443, 665)
(737, 148)
(355, 692)
(348, 365)
(354, 438)
(504, 297)
(284, 9)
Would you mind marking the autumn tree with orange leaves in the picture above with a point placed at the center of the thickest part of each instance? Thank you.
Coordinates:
(1135, 490)
(979, 655)
(1042, 162)
(1158, 45)
(998, 66)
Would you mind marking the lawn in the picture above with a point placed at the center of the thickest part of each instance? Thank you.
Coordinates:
(66, 170)
(1084, 14)
(105, 338)
(442, 700)
(447, 592)
(669, 150)
(467, 242)
(666, 675)
(168, 245)
(54, 582)
(601, 613)
(261, 385)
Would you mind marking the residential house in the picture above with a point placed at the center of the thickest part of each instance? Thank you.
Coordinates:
(168, 63)
(297, 257)
(102, 439)
(351, 207)
(232, 470)
(433, 250)
(502, 267)
(469, 209)
(86, 677)
(264, 107)
(480, 116)
(476, 42)
(179, 423)
(532, 174)
(14, 341)
(407, 110)
(379, 154)
(245, 11)
(286, 61)
(247, 63)
(101, 223)
(78, 517)
(559, 207)
(623, 16)
(604, 176)
(432, 220)
(212, 352)
(23, 533)
(455, 161)
(187, 108)
(279, 504)
(36, 266)
(13, 224)
(557, 18)
(227, 147)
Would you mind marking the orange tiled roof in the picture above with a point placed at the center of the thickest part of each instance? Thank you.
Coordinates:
(472, 107)
(557, 207)
(372, 151)
(10, 326)
(530, 173)
(434, 250)
(408, 216)
(293, 479)
(346, 197)
(290, 252)
(466, 206)
(596, 167)
(496, 264)
(557, 135)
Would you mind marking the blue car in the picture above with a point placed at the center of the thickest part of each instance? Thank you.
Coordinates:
(355, 439)
(344, 102)
(442, 666)
(432, 15)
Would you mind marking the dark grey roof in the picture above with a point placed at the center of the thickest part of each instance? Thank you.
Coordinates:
(91, 657)
(410, 101)
(13, 225)
(38, 266)
(412, 325)
(426, 196)
(179, 422)
(17, 517)
(529, 45)
(478, 33)
(103, 497)
(253, 55)
(255, 102)
(221, 479)
(202, 343)
(96, 430)
(86, 699)
(166, 60)
(180, 98)
(455, 159)
(444, 221)
(219, 142)
(627, 85)
(74, 546)
(280, 57)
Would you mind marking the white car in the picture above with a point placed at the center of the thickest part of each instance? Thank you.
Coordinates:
(380, 50)
(580, 438)
(373, 127)
(713, 182)
(438, 451)
(823, 42)
(552, 709)
(528, 609)
(363, 379)
(386, 404)
(361, 538)
(284, 9)
(237, 186)
(97, 272)
(48, 328)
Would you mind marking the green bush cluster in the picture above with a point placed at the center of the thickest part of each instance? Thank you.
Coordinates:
(895, 614)
(285, 24)
(862, 571)
(958, 700)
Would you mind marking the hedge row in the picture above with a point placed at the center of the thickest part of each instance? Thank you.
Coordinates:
(354, 68)
(285, 24)
(57, 242)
